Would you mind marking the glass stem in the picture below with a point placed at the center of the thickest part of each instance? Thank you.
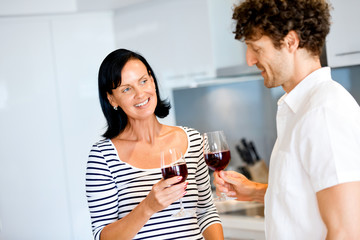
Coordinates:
(181, 205)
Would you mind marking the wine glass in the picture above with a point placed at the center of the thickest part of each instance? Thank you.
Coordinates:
(173, 164)
(217, 155)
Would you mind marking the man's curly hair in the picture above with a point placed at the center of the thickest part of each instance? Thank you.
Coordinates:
(310, 19)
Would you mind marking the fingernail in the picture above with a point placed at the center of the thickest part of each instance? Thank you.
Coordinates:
(179, 178)
(184, 193)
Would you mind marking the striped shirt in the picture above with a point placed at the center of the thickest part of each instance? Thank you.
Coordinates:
(114, 188)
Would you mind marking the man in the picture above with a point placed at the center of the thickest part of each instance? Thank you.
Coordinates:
(313, 190)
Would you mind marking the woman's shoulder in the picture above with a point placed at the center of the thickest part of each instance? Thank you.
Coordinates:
(188, 132)
(101, 144)
(183, 129)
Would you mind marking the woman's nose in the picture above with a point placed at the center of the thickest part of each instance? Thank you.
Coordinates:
(139, 92)
(250, 57)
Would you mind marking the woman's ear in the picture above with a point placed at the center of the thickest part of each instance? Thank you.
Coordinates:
(111, 99)
(292, 41)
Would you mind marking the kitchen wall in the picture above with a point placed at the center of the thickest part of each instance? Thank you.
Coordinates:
(49, 110)
(244, 109)
(349, 77)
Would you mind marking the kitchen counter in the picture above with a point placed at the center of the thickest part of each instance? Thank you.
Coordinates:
(242, 220)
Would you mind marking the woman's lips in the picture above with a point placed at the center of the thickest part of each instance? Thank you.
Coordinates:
(142, 103)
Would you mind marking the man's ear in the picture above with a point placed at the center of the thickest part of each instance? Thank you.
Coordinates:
(291, 41)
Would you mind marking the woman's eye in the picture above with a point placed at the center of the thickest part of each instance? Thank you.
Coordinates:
(125, 90)
(143, 81)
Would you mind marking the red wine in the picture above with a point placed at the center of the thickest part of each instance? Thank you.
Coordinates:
(217, 161)
(175, 170)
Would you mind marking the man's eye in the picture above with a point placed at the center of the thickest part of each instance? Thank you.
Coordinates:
(257, 50)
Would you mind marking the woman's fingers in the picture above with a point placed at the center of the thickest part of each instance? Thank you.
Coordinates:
(165, 192)
(170, 181)
(169, 190)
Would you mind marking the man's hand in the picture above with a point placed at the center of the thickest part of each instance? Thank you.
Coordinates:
(237, 185)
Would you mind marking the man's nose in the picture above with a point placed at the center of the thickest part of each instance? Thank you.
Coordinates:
(250, 57)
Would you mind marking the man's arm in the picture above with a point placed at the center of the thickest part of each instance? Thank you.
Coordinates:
(340, 210)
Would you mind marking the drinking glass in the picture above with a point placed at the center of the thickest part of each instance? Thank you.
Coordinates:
(173, 164)
(217, 155)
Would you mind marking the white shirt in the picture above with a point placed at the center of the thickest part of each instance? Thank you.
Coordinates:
(317, 146)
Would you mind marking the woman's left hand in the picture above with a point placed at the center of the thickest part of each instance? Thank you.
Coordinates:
(164, 193)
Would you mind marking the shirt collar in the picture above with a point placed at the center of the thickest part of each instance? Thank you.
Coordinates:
(301, 91)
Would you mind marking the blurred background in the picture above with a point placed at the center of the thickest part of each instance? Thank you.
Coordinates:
(50, 52)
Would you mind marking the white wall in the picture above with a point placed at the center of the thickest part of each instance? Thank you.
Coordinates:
(49, 118)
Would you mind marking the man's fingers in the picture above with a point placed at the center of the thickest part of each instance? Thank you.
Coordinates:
(218, 179)
(232, 177)
(221, 188)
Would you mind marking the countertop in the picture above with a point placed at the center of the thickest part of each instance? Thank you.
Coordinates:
(242, 220)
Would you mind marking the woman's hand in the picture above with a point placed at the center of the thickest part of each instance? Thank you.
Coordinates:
(164, 193)
(237, 185)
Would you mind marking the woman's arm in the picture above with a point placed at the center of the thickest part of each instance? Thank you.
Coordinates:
(160, 197)
(208, 218)
(214, 232)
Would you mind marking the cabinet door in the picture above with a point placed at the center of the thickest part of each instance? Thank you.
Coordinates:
(33, 194)
(81, 42)
(174, 36)
(27, 7)
(343, 44)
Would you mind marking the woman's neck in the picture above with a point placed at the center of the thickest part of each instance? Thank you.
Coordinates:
(144, 130)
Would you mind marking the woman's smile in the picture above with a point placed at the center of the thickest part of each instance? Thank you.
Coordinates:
(143, 103)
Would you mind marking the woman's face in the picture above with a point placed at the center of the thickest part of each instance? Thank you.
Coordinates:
(136, 95)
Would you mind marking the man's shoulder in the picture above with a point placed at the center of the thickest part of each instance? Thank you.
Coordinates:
(330, 94)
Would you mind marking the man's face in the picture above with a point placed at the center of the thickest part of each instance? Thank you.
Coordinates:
(275, 64)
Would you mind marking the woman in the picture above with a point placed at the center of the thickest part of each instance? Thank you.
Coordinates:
(127, 197)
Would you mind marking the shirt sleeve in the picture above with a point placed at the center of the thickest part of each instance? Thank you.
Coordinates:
(206, 210)
(101, 192)
(330, 147)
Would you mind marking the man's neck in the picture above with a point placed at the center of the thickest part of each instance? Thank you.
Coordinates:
(304, 65)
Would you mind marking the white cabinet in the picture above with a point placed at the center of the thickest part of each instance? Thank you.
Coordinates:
(343, 44)
(182, 39)
(80, 43)
(187, 42)
(33, 202)
(30, 7)
(49, 118)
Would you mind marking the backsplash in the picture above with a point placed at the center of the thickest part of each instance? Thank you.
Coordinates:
(243, 109)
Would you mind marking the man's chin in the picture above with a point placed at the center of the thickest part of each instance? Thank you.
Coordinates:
(269, 84)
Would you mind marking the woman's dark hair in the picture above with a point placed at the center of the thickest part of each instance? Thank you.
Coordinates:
(310, 19)
(110, 78)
